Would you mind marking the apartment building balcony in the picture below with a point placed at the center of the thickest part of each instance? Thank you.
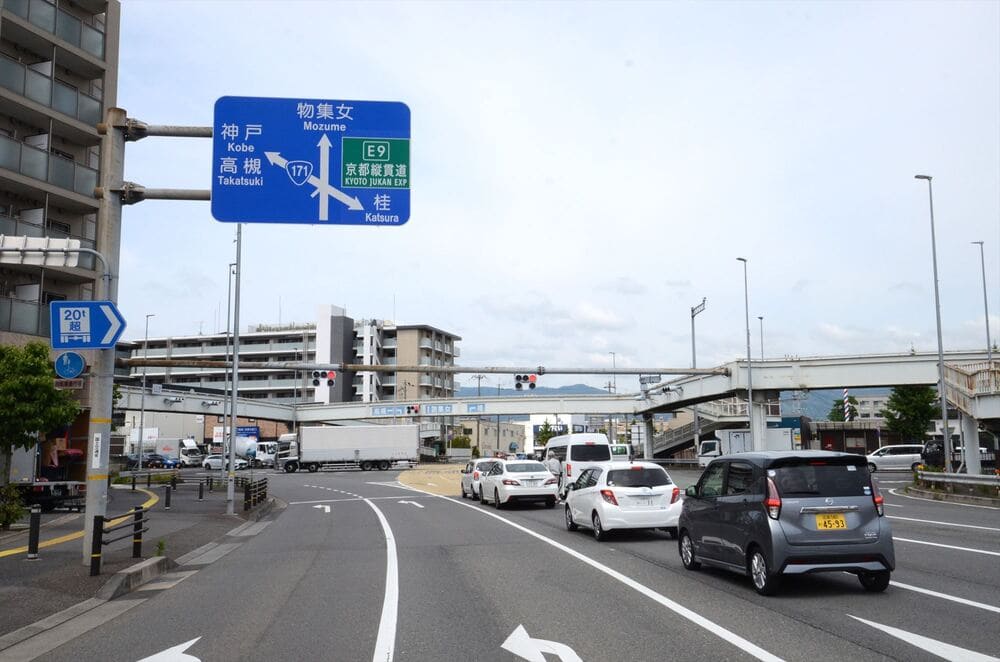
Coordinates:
(18, 227)
(28, 317)
(85, 38)
(72, 183)
(390, 343)
(426, 343)
(34, 92)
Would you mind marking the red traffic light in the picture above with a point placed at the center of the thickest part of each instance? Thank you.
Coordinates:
(532, 378)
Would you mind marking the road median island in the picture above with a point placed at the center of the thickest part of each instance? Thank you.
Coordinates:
(442, 479)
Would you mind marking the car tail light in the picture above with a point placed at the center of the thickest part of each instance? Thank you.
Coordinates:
(475, 475)
(877, 498)
(773, 501)
(569, 469)
(510, 481)
(676, 495)
(609, 496)
(552, 481)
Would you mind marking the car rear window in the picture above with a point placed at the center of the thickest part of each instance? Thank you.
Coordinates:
(586, 453)
(642, 477)
(526, 467)
(821, 478)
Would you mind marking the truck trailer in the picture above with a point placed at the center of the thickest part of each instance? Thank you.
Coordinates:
(364, 447)
(738, 441)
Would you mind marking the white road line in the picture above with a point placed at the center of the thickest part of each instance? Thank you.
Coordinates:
(945, 596)
(932, 646)
(893, 505)
(385, 643)
(716, 629)
(299, 503)
(937, 544)
(949, 503)
(930, 521)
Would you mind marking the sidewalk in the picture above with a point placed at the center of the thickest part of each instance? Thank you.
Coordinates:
(440, 479)
(33, 590)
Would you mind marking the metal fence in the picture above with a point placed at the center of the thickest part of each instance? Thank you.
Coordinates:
(134, 528)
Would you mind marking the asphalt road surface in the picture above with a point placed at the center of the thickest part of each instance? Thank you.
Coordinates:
(357, 567)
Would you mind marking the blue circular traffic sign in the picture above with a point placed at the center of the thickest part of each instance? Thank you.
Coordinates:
(70, 365)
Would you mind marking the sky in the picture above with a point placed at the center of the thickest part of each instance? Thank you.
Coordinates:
(585, 173)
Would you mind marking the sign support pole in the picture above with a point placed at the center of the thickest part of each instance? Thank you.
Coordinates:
(231, 481)
(109, 217)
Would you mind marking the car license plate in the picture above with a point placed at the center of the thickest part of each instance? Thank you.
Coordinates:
(830, 522)
(642, 501)
(530, 483)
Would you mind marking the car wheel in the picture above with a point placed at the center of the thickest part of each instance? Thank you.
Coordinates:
(462, 487)
(872, 468)
(599, 533)
(313, 468)
(686, 548)
(291, 467)
(366, 466)
(764, 581)
(496, 499)
(570, 524)
(550, 502)
(876, 582)
(383, 465)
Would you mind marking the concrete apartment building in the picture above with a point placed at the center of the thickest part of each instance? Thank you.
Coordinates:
(58, 76)
(333, 338)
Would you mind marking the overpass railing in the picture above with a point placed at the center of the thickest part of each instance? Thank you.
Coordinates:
(972, 379)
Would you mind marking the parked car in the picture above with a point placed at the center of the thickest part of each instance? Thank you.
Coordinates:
(778, 513)
(518, 480)
(901, 457)
(472, 475)
(157, 461)
(213, 462)
(623, 495)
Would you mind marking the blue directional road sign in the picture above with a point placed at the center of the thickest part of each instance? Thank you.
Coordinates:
(85, 324)
(70, 365)
(310, 161)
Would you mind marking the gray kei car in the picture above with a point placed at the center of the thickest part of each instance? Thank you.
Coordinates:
(777, 513)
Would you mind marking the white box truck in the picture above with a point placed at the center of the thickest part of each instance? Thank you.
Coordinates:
(183, 450)
(364, 447)
(738, 441)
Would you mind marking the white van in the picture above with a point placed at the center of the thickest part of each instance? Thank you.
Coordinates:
(577, 452)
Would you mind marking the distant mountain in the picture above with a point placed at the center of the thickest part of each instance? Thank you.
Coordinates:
(572, 389)
(817, 404)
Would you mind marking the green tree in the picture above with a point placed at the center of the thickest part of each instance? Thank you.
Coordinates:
(909, 410)
(461, 441)
(837, 410)
(29, 401)
(544, 434)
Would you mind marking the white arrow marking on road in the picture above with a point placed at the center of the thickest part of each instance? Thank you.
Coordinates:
(412, 503)
(175, 654)
(521, 644)
(325, 509)
(275, 158)
(932, 646)
(324, 175)
(115, 324)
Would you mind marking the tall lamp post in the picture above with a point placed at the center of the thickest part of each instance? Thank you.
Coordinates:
(761, 318)
(612, 421)
(746, 304)
(986, 305)
(142, 398)
(694, 364)
(937, 311)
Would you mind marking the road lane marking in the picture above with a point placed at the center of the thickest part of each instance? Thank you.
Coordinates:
(937, 544)
(324, 508)
(727, 635)
(932, 646)
(385, 643)
(893, 505)
(526, 647)
(950, 503)
(930, 521)
(174, 654)
(299, 503)
(413, 503)
(945, 596)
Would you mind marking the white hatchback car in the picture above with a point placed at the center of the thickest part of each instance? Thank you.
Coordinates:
(473, 473)
(216, 462)
(623, 495)
(518, 480)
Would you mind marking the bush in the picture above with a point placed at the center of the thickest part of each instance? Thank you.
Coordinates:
(475, 452)
(11, 507)
(461, 441)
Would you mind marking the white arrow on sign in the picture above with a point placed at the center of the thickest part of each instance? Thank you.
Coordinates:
(325, 509)
(521, 644)
(175, 654)
(112, 321)
(412, 503)
(322, 187)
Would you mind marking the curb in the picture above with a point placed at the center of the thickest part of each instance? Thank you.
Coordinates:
(954, 498)
(132, 577)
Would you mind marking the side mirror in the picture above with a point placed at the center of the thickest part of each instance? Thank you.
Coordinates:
(691, 491)
(570, 487)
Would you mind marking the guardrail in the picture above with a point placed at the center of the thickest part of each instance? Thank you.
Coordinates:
(148, 474)
(140, 516)
(984, 482)
(254, 491)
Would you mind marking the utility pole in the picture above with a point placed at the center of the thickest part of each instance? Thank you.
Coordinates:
(231, 477)
(695, 310)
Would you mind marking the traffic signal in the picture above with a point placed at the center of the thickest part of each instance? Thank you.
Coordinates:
(319, 375)
(413, 409)
(522, 381)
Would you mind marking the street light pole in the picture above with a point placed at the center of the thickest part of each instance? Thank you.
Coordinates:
(746, 303)
(233, 414)
(937, 311)
(142, 398)
(986, 305)
(761, 318)
(694, 364)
